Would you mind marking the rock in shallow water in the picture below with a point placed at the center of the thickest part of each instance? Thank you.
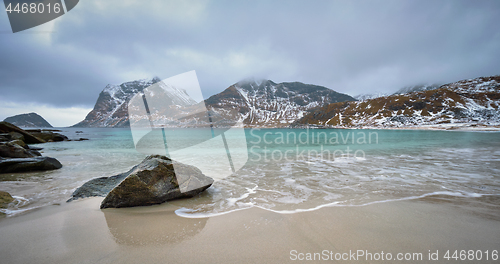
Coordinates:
(28, 164)
(6, 127)
(99, 186)
(48, 136)
(5, 199)
(153, 181)
(13, 150)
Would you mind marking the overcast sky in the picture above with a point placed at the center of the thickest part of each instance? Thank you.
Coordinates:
(353, 47)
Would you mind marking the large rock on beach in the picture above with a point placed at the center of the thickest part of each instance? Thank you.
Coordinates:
(47, 136)
(20, 143)
(28, 164)
(5, 199)
(99, 186)
(153, 181)
(16, 136)
(6, 127)
(17, 156)
(4, 137)
(13, 150)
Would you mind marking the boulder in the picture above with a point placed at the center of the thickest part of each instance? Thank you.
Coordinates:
(42, 130)
(4, 137)
(5, 199)
(49, 136)
(99, 186)
(16, 136)
(12, 136)
(20, 143)
(153, 181)
(12, 150)
(80, 139)
(29, 164)
(34, 148)
(34, 152)
(6, 127)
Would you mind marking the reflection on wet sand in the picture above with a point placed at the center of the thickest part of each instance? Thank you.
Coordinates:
(129, 226)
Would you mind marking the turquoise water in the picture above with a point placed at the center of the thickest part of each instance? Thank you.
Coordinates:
(286, 170)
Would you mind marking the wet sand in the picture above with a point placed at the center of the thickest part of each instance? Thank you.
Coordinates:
(79, 232)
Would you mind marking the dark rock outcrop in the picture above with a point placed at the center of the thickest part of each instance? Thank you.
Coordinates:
(153, 181)
(4, 137)
(12, 150)
(17, 156)
(16, 136)
(20, 143)
(28, 120)
(6, 127)
(28, 164)
(11, 136)
(48, 136)
(34, 148)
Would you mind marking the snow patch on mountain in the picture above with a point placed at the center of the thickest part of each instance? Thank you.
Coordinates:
(468, 102)
(417, 88)
(110, 109)
(264, 103)
(367, 96)
(257, 103)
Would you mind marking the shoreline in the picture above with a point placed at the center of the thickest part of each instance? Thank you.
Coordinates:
(447, 127)
(81, 232)
(453, 127)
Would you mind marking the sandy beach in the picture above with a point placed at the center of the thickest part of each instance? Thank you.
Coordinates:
(79, 232)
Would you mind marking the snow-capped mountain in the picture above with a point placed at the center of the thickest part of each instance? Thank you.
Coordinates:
(254, 102)
(468, 102)
(263, 103)
(111, 108)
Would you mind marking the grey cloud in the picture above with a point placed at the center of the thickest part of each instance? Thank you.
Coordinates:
(350, 46)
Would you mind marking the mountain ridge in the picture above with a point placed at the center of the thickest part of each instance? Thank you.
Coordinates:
(254, 102)
(466, 102)
(270, 104)
(28, 120)
(110, 109)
